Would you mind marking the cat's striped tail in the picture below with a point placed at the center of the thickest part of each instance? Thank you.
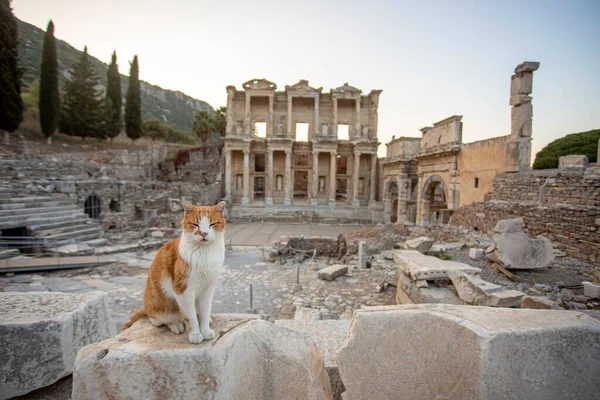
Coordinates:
(134, 317)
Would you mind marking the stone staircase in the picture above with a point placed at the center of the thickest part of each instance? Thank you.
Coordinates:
(51, 221)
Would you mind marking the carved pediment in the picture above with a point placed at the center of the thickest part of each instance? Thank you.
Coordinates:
(347, 89)
(259, 84)
(303, 87)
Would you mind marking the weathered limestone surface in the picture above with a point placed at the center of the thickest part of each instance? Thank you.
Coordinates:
(437, 249)
(421, 244)
(330, 273)
(419, 266)
(249, 359)
(539, 303)
(362, 254)
(514, 250)
(329, 336)
(42, 332)
(476, 254)
(591, 290)
(464, 352)
(573, 161)
(478, 292)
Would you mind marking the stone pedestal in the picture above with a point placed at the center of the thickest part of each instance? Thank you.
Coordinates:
(248, 359)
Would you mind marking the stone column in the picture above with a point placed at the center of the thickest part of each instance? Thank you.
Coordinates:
(315, 188)
(332, 170)
(521, 86)
(334, 124)
(269, 185)
(355, 200)
(289, 115)
(373, 179)
(228, 175)
(246, 197)
(271, 118)
(316, 129)
(230, 122)
(357, 119)
(403, 196)
(288, 179)
(247, 122)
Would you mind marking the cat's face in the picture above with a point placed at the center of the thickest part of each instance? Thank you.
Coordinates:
(203, 223)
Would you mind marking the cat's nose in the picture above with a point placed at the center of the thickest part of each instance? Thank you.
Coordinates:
(203, 234)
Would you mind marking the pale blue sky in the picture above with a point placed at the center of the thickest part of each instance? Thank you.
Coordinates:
(432, 59)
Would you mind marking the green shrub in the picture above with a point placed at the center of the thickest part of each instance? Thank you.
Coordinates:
(584, 143)
(175, 136)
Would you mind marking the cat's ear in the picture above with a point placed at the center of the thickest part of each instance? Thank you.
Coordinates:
(220, 207)
(187, 206)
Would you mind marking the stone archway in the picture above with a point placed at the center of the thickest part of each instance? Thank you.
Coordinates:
(433, 200)
(93, 206)
(391, 196)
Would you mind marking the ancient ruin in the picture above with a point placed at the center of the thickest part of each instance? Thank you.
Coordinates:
(426, 179)
(300, 146)
(502, 260)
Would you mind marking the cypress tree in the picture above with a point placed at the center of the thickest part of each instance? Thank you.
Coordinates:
(49, 99)
(11, 105)
(113, 93)
(82, 106)
(133, 105)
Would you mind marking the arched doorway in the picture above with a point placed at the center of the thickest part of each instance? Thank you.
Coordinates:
(392, 196)
(93, 206)
(434, 200)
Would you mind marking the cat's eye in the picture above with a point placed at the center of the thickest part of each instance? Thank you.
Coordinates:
(211, 225)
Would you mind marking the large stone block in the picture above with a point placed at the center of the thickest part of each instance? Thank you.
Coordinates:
(249, 359)
(329, 336)
(527, 66)
(42, 332)
(464, 352)
(478, 292)
(573, 161)
(521, 120)
(421, 267)
(421, 244)
(330, 273)
(514, 250)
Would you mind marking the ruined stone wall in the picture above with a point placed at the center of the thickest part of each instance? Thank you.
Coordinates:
(563, 205)
(478, 163)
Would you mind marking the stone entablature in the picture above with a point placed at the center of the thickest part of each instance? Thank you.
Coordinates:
(279, 164)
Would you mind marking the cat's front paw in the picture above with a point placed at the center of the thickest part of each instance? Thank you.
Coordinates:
(195, 337)
(177, 327)
(208, 334)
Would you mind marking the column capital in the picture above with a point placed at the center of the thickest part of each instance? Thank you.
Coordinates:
(288, 152)
(333, 153)
(246, 151)
(315, 152)
(357, 153)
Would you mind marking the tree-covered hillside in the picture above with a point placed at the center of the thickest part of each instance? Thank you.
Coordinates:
(583, 143)
(174, 108)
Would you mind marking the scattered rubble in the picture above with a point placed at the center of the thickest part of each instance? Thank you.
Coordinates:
(421, 244)
(330, 273)
(475, 291)
(512, 249)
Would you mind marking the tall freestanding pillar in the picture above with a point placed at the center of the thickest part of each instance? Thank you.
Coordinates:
(332, 180)
(355, 200)
(288, 179)
(373, 179)
(269, 185)
(246, 197)
(521, 86)
(228, 175)
(315, 186)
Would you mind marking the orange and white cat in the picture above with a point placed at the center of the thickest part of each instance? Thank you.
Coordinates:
(184, 273)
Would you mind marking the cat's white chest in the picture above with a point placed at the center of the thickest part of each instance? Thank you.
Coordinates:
(205, 262)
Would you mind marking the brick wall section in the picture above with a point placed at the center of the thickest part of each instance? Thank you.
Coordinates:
(563, 205)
